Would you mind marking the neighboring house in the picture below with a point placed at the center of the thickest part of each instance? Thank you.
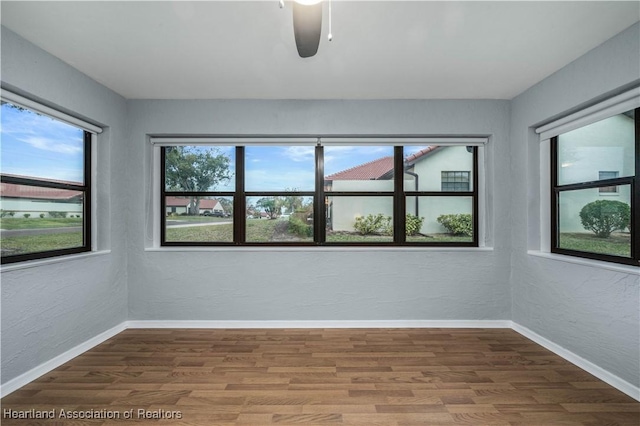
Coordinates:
(178, 205)
(602, 150)
(34, 200)
(433, 168)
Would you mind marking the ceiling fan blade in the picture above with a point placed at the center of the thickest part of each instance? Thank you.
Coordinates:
(307, 26)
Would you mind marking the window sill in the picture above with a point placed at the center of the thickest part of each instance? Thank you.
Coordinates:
(627, 269)
(43, 262)
(315, 249)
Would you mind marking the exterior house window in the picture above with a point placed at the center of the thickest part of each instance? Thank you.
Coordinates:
(45, 193)
(605, 176)
(583, 223)
(311, 195)
(455, 181)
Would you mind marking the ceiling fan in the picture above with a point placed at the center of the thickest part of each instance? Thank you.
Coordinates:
(307, 25)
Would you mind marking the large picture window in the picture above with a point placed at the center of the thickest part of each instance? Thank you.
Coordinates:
(347, 194)
(45, 193)
(595, 190)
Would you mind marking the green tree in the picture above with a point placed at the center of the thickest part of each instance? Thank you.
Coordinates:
(195, 169)
(227, 205)
(271, 205)
(605, 216)
(292, 202)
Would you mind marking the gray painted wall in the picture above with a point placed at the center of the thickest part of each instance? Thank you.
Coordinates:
(310, 284)
(590, 311)
(48, 310)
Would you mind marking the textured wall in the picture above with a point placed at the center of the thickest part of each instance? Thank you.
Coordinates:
(318, 285)
(590, 311)
(48, 310)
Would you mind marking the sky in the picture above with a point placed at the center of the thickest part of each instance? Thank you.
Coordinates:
(280, 168)
(38, 146)
(34, 145)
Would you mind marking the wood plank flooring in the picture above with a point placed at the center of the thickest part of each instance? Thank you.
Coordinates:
(320, 376)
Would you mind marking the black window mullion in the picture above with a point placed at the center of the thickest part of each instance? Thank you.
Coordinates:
(553, 144)
(635, 197)
(476, 191)
(399, 203)
(163, 195)
(86, 208)
(319, 207)
(239, 201)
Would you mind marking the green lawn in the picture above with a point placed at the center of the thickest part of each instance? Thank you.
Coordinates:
(263, 231)
(617, 244)
(37, 243)
(199, 219)
(213, 233)
(38, 223)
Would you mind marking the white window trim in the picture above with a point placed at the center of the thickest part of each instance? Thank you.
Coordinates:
(157, 142)
(617, 105)
(48, 111)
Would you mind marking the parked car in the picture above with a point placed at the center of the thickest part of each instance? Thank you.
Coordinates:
(215, 213)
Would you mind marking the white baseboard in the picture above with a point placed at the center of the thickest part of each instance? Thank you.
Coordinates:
(323, 324)
(588, 366)
(31, 375)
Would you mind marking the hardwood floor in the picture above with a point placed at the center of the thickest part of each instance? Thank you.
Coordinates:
(321, 376)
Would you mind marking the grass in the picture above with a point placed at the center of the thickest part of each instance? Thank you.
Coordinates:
(617, 244)
(264, 231)
(198, 219)
(214, 233)
(37, 243)
(38, 223)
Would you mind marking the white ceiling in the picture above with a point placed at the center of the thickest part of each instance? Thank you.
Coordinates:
(380, 49)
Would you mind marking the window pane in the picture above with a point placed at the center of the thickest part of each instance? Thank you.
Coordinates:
(607, 145)
(200, 168)
(35, 219)
(444, 219)
(593, 222)
(358, 168)
(36, 146)
(279, 219)
(438, 168)
(202, 219)
(280, 168)
(359, 219)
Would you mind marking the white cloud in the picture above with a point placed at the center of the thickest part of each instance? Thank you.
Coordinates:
(300, 153)
(52, 145)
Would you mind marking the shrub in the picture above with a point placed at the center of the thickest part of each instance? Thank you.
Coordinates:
(605, 216)
(457, 224)
(413, 224)
(58, 214)
(41, 215)
(26, 215)
(5, 213)
(299, 228)
(373, 224)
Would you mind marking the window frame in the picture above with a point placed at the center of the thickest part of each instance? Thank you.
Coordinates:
(86, 188)
(319, 195)
(634, 183)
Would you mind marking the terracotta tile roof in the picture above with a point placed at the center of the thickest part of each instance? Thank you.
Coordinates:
(413, 157)
(376, 169)
(367, 171)
(184, 201)
(13, 190)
